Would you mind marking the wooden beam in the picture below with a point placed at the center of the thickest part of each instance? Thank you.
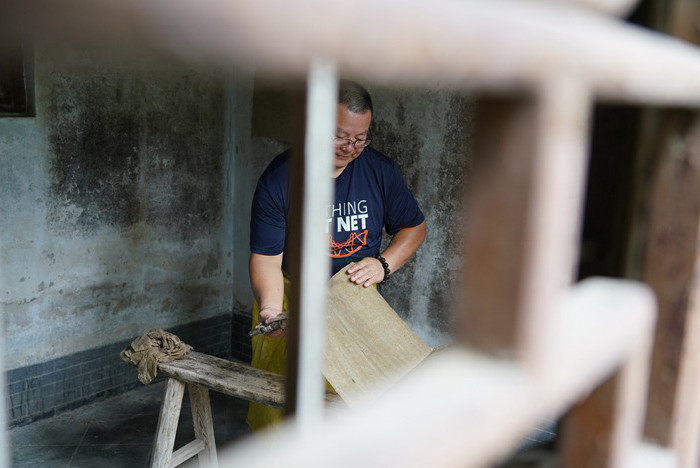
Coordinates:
(553, 231)
(683, 19)
(161, 456)
(228, 377)
(203, 424)
(500, 45)
(312, 189)
(186, 452)
(464, 408)
(671, 268)
(604, 430)
(522, 217)
(496, 212)
(587, 435)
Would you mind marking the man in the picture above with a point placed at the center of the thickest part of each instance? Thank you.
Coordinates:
(370, 195)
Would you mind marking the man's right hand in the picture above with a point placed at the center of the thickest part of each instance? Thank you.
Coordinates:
(266, 316)
(267, 281)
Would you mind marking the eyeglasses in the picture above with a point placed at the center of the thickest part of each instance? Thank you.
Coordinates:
(342, 142)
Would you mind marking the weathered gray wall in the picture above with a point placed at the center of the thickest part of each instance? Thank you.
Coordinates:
(112, 204)
(125, 203)
(427, 134)
(250, 154)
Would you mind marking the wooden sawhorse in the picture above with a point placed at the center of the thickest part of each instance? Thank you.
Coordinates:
(201, 372)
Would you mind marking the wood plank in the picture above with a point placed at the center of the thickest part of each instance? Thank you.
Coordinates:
(462, 408)
(453, 43)
(555, 206)
(203, 424)
(605, 428)
(686, 428)
(671, 268)
(522, 217)
(368, 346)
(186, 452)
(161, 457)
(491, 297)
(587, 432)
(229, 377)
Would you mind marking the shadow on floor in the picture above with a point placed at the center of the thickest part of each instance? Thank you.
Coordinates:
(117, 432)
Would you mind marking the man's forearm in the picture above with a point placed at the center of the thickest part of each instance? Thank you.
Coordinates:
(403, 245)
(267, 280)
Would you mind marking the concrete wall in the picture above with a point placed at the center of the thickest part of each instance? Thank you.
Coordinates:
(427, 133)
(125, 205)
(112, 204)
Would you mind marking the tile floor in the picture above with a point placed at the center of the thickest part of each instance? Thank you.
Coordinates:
(118, 432)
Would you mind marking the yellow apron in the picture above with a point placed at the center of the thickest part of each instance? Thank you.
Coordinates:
(270, 354)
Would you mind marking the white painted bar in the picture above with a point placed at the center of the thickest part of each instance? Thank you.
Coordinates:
(321, 105)
(648, 455)
(464, 409)
(610, 7)
(499, 45)
(557, 195)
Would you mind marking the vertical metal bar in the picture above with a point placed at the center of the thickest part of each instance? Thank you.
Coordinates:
(314, 195)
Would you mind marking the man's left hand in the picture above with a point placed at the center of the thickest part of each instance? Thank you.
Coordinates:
(367, 272)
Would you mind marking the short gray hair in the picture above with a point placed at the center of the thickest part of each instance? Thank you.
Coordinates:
(355, 97)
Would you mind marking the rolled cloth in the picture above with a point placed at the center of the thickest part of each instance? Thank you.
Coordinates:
(150, 349)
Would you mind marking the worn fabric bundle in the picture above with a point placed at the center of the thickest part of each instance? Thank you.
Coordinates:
(155, 346)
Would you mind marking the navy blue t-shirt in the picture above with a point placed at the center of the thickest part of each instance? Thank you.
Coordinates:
(370, 194)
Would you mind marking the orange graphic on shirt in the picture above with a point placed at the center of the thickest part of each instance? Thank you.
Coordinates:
(354, 243)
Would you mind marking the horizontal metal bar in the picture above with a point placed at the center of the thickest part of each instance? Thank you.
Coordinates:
(499, 45)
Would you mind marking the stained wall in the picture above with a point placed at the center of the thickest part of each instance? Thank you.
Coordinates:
(125, 206)
(428, 134)
(113, 219)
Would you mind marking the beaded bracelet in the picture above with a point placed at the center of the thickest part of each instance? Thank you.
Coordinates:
(385, 265)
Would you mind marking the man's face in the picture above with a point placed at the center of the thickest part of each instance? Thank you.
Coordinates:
(354, 127)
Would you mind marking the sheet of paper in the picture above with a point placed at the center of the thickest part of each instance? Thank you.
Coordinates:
(368, 346)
